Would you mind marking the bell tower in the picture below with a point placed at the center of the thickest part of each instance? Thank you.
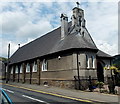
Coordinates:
(78, 16)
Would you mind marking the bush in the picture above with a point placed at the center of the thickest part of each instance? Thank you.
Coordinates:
(100, 84)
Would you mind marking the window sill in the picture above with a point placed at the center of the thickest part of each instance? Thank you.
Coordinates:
(44, 70)
(34, 71)
(27, 72)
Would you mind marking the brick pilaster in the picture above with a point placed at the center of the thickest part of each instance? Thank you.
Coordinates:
(38, 71)
(13, 73)
(23, 72)
(31, 66)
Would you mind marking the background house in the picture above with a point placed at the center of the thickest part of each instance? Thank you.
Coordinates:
(2, 68)
(64, 57)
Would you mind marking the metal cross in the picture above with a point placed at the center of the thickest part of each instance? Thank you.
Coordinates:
(78, 4)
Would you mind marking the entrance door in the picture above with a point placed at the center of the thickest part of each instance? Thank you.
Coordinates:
(100, 72)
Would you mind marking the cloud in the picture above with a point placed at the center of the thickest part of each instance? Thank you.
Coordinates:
(13, 46)
(12, 21)
(102, 22)
(34, 30)
(111, 49)
(26, 21)
(4, 47)
(58, 1)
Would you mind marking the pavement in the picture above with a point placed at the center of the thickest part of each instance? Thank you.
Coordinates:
(72, 93)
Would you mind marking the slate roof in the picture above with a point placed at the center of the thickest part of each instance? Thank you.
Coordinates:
(103, 54)
(51, 43)
(73, 41)
(39, 47)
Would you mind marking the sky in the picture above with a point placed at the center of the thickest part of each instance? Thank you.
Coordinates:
(22, 22)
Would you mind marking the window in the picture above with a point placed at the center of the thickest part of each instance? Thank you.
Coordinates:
(35, 67)
(28, 67)
(12, 70)
(44, 65)
(21, 68)
(92, 58)
(16, 69)
(87, 61)
(108, 66)
(6, 68)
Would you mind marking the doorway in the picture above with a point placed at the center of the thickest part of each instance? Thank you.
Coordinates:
(100, 71)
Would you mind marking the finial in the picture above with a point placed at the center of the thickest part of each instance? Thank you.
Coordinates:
(78, 4)
(18, 45)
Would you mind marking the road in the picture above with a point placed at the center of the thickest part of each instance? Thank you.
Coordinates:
(19, 96)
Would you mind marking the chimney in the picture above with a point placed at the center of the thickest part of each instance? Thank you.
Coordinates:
(64, 26)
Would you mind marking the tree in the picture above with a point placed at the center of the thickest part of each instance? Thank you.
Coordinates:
(115, 72)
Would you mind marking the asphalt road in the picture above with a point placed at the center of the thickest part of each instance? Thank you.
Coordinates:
(19, 96)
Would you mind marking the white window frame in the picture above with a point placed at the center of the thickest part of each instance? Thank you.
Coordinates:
(6, 68)
(11, 70)
(44, 65)
(34, 67)
(87, 61)
(16, 69)
(93, 61)
(21, 68)
(28, 68)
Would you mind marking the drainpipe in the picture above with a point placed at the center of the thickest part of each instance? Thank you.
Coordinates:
(78, 72)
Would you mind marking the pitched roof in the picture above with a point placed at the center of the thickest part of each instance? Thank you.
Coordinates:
(39, 47)
(103, 54)
(72, 41)
(51, 43)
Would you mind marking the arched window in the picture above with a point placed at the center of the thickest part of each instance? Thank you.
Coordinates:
(44, 65)
(28, 67)
(35, 67)
(16, 69)
(21, 68)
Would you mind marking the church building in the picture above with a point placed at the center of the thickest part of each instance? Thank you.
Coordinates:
(65, 57)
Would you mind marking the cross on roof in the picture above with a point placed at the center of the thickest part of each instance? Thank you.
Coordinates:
(78, 4)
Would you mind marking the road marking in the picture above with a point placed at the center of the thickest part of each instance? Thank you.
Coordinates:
(4, 89)
(35, 99)
(63, 96)
(10, 91)
(7, 90)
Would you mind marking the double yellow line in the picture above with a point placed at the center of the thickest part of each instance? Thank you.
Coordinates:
(48, 93)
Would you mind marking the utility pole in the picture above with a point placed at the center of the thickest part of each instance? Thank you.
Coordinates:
(8, 64)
